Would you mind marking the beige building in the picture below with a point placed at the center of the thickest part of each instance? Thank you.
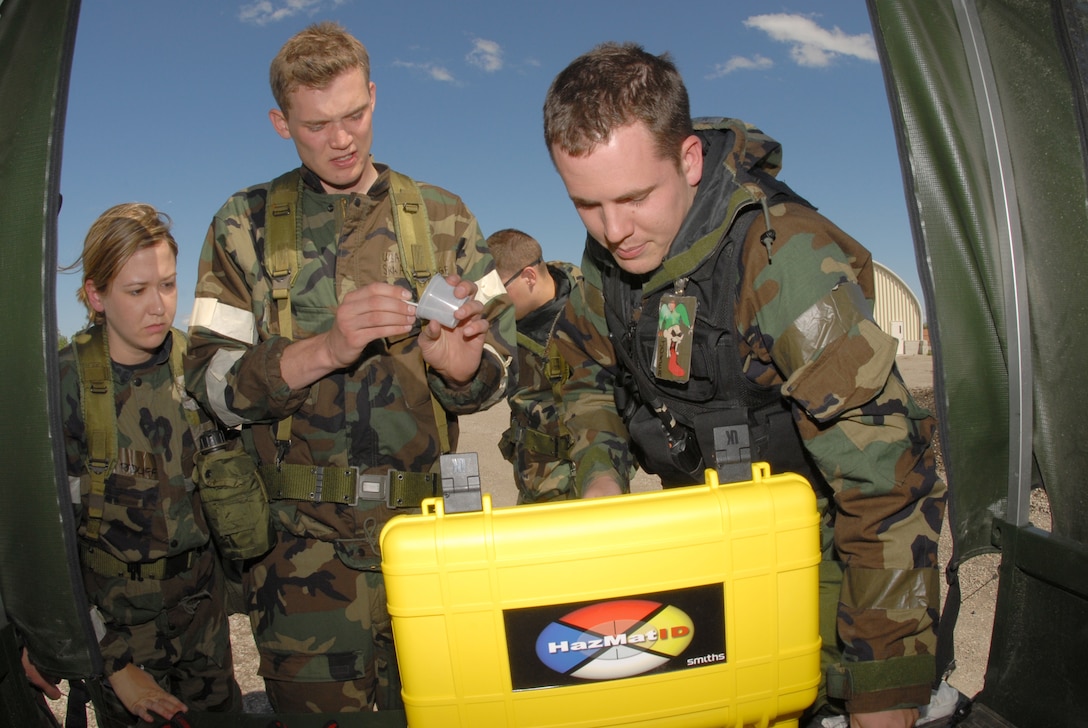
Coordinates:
(898, 311)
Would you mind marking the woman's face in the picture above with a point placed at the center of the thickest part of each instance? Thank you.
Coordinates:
(139, 304)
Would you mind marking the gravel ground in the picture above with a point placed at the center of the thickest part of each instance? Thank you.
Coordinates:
(480, 433)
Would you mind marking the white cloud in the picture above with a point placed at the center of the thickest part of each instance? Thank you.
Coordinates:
(485, 54)
(436, 72)
(740, 63)
(263, 12)
(812, 45)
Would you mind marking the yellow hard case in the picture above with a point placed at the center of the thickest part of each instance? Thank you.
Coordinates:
(692, 606)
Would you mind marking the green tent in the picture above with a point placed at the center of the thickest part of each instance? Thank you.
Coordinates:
(988, 101)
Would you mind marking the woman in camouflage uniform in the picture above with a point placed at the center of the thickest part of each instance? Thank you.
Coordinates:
(153, 580)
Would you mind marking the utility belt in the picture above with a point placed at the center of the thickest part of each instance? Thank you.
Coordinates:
(106, 564)
(727, 440)
(535, 441)
(347, 486)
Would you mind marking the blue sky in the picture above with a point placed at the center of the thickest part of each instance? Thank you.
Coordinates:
(168, 105)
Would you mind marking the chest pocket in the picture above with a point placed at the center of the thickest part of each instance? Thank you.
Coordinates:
(133, 522)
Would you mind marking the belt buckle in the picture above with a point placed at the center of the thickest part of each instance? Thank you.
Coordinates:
(371, 487)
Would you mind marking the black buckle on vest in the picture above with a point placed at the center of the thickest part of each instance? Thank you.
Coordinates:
(725, 440)
(733, 453)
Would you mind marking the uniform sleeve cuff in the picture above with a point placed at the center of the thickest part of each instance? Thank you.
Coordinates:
(486, 388)
(898, 682)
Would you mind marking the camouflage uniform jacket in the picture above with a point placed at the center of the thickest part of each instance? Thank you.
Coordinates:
(378, 414)
(564, 428)
(152, 509)
(803, 309)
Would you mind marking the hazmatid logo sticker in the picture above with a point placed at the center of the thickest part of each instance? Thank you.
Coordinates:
(617, 638)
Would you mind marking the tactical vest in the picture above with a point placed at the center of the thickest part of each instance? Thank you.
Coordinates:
(283, 231)
(99, 415)
(719, 418)
(557, 444)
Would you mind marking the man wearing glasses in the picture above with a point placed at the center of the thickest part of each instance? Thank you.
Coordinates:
(565, 439)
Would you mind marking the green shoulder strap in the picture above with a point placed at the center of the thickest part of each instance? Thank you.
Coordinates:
(557, 372)
(283, 233)
(99, 418)
(177, 371)
(99, 410)
(283, 251)
(555, 369)
(413, 230)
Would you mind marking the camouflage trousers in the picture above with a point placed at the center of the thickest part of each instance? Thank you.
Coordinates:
(185, 647)
(322, 629)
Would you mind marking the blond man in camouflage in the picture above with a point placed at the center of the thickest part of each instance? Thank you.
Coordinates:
(358, 398)
(784, 353)
(566, 439)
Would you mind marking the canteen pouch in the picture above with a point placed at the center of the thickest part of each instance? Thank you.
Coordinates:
(235, 502)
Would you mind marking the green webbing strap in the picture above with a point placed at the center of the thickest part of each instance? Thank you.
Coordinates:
(105, 564)
(556, 370)
(847, 680)
(177, 371)
(557, 373)
(413, 231)
(290, 481)
(283, 250)
(407, 490)
(99, 418)
(544, 444)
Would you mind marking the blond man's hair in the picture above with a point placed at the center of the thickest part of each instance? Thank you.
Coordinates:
(313, 58)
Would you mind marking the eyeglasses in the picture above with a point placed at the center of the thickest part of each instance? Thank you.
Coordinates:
(511, 279)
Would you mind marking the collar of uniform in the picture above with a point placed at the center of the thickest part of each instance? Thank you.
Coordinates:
(124, 372)
(712, 197)
(378, 189)
(311, 180)
(381, 184)
(538, 324)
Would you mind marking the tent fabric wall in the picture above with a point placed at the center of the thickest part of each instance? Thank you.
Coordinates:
(993, 160)
(42, 592)
(988, 102)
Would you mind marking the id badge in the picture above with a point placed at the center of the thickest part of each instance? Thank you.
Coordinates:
(672, 355)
